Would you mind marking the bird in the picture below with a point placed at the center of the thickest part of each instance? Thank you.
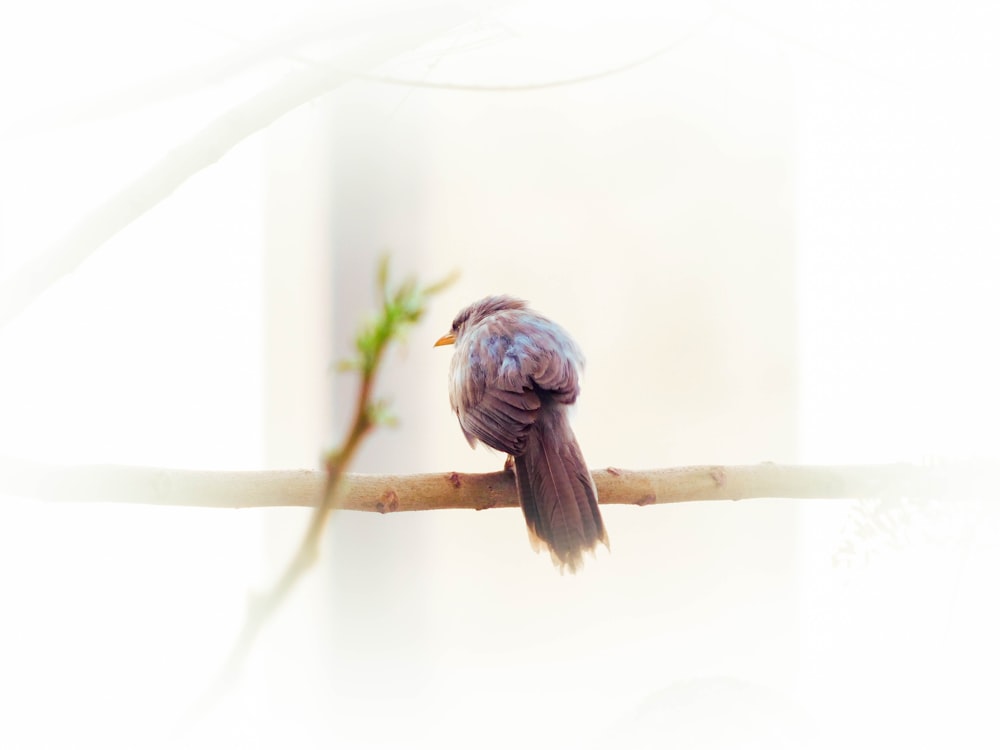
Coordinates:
(512, 378)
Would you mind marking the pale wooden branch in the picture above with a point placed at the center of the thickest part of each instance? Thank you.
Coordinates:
(453, 490)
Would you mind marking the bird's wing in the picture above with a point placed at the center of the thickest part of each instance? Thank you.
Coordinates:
(508, 367)
(542, 357)
(554, 372)
(501, 419)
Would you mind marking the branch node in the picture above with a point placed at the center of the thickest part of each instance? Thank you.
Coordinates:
(389, 502)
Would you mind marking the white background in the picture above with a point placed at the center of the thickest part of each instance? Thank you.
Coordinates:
(775, 240)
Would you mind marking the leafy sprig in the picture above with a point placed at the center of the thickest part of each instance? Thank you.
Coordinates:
(400, 308)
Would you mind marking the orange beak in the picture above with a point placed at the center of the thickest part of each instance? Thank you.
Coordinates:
(448, 338)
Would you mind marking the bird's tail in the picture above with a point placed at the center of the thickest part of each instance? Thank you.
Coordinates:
(557, 493)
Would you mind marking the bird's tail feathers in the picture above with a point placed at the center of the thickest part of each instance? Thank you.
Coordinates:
(557, 493)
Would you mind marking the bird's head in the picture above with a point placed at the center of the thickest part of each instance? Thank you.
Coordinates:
(476, 313)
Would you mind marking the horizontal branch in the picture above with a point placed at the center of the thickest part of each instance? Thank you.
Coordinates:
(450, 490)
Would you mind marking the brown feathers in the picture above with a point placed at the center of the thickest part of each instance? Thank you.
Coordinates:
(513, 374)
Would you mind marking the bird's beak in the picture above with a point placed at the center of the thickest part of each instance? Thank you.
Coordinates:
(448, 338)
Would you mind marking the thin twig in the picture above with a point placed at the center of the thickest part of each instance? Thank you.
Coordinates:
(400, 308)
(554, 83)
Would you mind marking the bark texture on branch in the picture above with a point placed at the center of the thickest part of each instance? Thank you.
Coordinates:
(452, 490)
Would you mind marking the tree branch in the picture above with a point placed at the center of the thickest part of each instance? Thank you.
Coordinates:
(452, 490)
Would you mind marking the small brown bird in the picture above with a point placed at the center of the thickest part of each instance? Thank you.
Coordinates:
(513, 376)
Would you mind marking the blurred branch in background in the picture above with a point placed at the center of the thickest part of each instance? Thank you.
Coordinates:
(285, 44)
(207, 146)
(399, 34)
(452, 490)
(280, 45)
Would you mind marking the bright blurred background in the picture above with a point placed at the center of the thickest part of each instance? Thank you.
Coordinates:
(772, 227)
